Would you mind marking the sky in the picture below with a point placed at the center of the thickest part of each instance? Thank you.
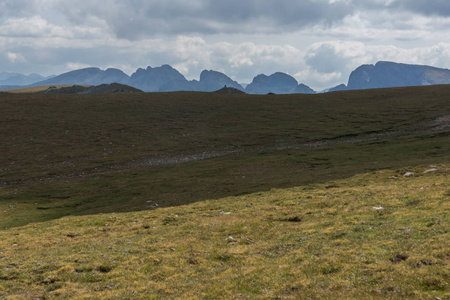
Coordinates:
(318, 42)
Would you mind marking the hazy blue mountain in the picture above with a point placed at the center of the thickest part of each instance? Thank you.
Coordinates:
(389, 74)
(303, 89)
(87, 76)
(277, 83)
(9, 87)
(17, 79)
(159, 79)
(212, 81)
(6, 75)
(167, 79)
(341, 87)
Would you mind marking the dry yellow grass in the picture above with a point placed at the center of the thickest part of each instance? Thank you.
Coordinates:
(36, 89)
(327, 241)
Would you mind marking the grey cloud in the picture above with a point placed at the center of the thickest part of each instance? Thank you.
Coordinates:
(325, 59)
(17, 8)
(138, 18)
(295, 13)
(421, 7)
(425, 7)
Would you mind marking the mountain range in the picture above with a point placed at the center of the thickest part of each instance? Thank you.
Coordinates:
(165, 79)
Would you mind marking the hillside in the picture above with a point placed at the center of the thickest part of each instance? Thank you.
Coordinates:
(373, 236)
(215, 195)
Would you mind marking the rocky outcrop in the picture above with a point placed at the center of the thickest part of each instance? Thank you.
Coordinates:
(230, 90)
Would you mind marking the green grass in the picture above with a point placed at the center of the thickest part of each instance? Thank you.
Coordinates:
(316, 241)
(257, 196)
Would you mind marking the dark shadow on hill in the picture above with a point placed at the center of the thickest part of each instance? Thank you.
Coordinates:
(245, 173)
(35, 187)
(99, 89)
(166, 183)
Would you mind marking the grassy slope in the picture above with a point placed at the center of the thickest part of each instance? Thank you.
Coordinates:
(76, 155)
(317, 241)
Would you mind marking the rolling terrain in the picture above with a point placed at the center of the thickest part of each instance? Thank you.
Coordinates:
(211, 195)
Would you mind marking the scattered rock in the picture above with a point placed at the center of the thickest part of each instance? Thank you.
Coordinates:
(104, 269)
(378, 207)
(398, 258)
(295, 219)
(408, 174)
(431, 170)
(406, 229)
(230, 239)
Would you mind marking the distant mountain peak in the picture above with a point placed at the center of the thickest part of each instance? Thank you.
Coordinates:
(87, 76)
(213, 80)
(278, 83)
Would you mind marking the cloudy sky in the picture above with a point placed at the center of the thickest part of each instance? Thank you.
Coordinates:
(319, 42)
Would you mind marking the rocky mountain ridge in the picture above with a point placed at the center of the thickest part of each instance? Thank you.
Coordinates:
(166, 79)
(385, 74)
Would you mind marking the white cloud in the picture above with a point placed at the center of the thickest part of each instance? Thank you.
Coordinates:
(70, 66)
(37, 27)
(241, 60)
(15, 57)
